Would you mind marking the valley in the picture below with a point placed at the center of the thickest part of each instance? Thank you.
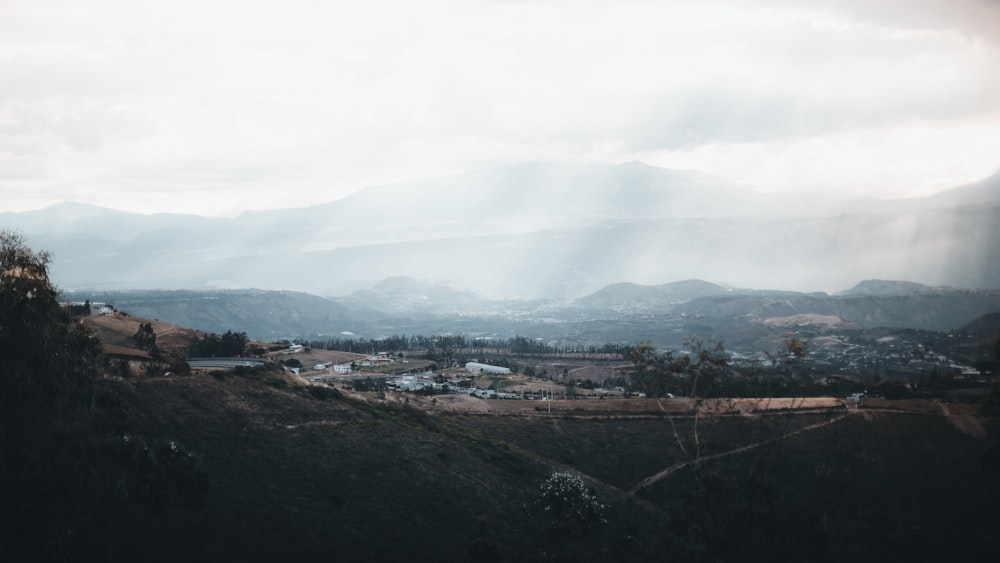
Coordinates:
(875, 330)
(555, 450)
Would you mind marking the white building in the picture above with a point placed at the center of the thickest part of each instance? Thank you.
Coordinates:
(475, 367)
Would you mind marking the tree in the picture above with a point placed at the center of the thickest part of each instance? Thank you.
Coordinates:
(230, 344)
(568, 506)
(49, 366)
(145, 339)
(666, 375)
(59, 477)
(571, 519)
(43, 355)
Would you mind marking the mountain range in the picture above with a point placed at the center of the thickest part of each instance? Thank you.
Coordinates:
(665, 315)
(536, 231)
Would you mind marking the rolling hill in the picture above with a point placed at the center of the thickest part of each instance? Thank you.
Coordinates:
(264, 315)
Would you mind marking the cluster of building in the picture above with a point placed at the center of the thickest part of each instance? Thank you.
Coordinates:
(891, 354)
(341, 368)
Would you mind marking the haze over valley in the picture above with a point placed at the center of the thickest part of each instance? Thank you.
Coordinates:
(537, 231)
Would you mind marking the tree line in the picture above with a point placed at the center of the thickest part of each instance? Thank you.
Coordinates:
(517, 345)
(229, 345)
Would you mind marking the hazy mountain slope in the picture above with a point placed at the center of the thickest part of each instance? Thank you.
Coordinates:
(72, 219)
(637, 296)
(938, 247)
(891, 287)
(929, 311)
(404, 296)
(551, 192)
(984, 192)
(535, 230)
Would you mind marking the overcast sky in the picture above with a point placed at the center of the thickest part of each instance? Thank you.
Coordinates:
(216, 106)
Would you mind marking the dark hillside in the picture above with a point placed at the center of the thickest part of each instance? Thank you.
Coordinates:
(294, 477)
(298, 474)
(985, 327)
(870, 487)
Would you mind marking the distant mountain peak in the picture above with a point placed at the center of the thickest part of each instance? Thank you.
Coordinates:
(393, 284)
(631, 294)
(890, 287)
(75, 209)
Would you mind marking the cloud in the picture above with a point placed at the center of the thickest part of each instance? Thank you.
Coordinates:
(979, 19)
(864, 162)
(313, 100)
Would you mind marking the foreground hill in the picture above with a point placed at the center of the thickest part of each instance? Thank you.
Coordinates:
(297, 475)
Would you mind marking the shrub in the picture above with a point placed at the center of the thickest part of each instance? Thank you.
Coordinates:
(323, 393)
(568, 506)
(276, 382)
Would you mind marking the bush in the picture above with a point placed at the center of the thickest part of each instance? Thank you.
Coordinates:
(276, 382)
(323, 393)
(568, 506)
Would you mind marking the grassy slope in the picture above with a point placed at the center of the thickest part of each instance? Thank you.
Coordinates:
(120, 330)
(875, 486)
(306, 479)
(298, 478)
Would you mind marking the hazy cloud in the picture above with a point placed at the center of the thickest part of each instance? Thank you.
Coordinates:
(252, 104)
(979, 19)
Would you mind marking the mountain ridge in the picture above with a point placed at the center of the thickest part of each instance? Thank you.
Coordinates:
(664, 314)
(532, 231)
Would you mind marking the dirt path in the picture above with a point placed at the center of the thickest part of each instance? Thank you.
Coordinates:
(969, 425)
(678, 466)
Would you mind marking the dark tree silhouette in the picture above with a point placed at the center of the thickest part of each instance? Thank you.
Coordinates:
(62, 475)
(48, 369)
(666, 375)
(145, 339)
(230, 344)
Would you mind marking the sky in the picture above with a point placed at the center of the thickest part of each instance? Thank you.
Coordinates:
(213, 107)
